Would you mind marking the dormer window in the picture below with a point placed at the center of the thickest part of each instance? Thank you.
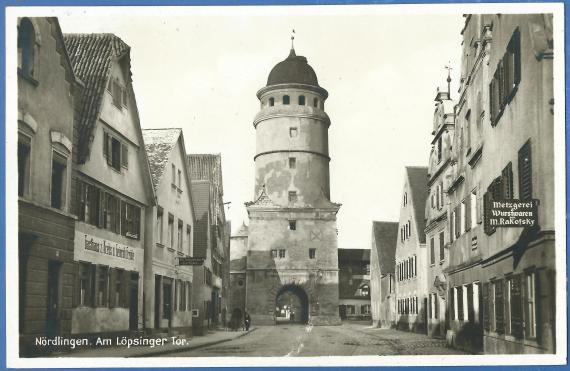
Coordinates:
(301, 100)
(286, 99)
(26, 48)
(118, 93)
(116, 152)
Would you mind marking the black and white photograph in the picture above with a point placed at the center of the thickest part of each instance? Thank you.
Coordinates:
(301, 185)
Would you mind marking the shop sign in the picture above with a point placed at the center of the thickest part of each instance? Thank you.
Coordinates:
(513, 213)
(105, 247)
(190, 260)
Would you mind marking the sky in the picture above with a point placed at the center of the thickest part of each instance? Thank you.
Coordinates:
(200, 68)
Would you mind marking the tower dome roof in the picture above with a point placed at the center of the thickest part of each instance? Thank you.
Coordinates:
(293, 70)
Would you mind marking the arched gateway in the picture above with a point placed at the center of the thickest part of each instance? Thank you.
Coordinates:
(292, 254)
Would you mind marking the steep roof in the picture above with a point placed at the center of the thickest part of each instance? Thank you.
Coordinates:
(417, 180)
(91, 56)
(201, 198)
(294, 69)
(207, 166)
(158, 145)
(385, 238)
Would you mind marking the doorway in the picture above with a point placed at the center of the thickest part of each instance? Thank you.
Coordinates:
(53, 317)
(157, 302)
(291, 305)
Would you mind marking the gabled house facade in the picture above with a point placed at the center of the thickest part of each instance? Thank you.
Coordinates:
(47, 89)
(411, 254)
(382, 274)
(354, 284)
(169, 227)
(436, 212)
(207, 193)
(113, 187)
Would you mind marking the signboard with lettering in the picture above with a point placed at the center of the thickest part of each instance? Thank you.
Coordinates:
(513, 213)
(102, 251)
(190, 260)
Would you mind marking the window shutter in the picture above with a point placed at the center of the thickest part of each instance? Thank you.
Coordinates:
(525, 172)
(105, 144)
(109, 150)
(507, 182)
(124, 226)
(124, 155)
(468, 212)
(516, 49)
(499, 307)
(452, 303)
(486, 307)
(458, 221)
(124, 91)
(492, 112)
(479, 207)
(516, 307)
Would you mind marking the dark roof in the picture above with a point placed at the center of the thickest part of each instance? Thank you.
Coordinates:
(201, 199)
(385, 238)
(207, 166)
(417, 180)
(91, 56)
(294, 69)
(360, 255)
(158, 144)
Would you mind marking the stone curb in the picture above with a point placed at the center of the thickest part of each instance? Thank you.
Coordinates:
(189, 347)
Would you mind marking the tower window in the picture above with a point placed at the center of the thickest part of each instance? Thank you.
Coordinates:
(315, 102)
(271, 102)
(312, 253)
(286, 99)
(292, 162)
(293, 196)
(292, 225)
(301, 100)
(293, 132)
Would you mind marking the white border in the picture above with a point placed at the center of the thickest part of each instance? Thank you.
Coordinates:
(347, 10)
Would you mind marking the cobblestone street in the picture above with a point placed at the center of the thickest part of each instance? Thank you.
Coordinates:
(352, 338)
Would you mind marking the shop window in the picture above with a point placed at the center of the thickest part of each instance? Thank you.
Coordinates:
(312, 253)
(118, 289)
(292, 225)
(58, 180)
(301, 100)
(102, 286)
(27, 48)
(130, 220)
(286, 99)
(86, 284)
(24, 152)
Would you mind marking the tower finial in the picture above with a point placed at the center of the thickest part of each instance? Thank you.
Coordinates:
(292, 39)
(448, 68)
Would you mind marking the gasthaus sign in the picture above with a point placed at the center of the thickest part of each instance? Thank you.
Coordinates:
(103, 251)
(513, 213)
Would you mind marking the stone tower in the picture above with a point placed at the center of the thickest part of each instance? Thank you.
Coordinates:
(292, 258)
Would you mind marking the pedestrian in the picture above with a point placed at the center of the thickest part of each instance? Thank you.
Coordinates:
(247, 320)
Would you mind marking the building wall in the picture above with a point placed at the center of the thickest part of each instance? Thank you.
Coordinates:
(507, 255)
(173, 199)
(411, 291)
(375, 284)
(238, 264)
(45, 117)
(131, 184)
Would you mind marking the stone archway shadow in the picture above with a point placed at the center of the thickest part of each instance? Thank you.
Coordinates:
(294, 301)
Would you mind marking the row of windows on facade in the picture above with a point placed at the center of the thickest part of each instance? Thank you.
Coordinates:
(102, 286)
(282, 253)
(432, 250)
(407, 269)
(173, 240)
(505, 306)
(58, 183)
(286, 99)
(179, 301)
(406, 231)
(118, 93)
(106, 210)
(351, 309)
(408, 305)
